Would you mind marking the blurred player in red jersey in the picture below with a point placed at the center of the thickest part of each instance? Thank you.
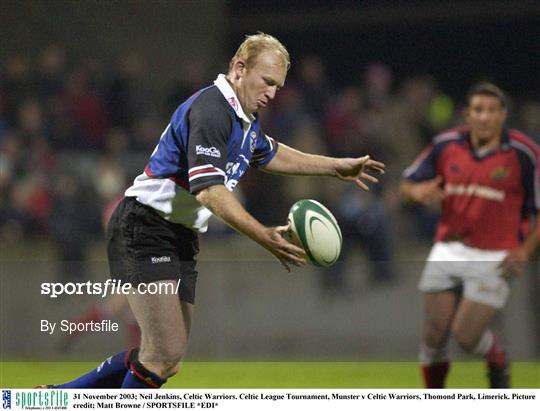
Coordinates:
(487, 178)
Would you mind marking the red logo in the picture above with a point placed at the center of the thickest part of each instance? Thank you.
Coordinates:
(233, 103)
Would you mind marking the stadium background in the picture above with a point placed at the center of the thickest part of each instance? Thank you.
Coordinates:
(87, 87)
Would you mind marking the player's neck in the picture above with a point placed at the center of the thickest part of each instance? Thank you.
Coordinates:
(484, 145)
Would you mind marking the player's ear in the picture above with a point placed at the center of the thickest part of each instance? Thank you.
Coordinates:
(240, 67)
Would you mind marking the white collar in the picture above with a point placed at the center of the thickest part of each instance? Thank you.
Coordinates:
(225, 88)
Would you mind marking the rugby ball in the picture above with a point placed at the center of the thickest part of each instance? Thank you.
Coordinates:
(315, 229)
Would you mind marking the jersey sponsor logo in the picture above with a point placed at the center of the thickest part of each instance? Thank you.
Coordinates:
(500, 173)
(207, 151)
(162, 259)
(252, 141)
(233, 103)
(474, 190)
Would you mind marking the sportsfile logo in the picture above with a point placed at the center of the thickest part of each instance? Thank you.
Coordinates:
(207, 151)
(163, 259)
(41, 399)
(6, 399)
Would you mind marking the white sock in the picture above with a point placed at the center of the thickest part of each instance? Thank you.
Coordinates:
(485, 343)
(430, 355)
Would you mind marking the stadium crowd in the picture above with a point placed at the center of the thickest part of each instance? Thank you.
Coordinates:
(74, 133)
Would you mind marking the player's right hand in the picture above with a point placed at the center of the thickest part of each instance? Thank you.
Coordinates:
(286, 252)
(428, 192)
(516, 261)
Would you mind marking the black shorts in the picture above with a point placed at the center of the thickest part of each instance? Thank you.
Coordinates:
(143, 248)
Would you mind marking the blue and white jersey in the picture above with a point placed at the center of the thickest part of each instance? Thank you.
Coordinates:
(209, 141)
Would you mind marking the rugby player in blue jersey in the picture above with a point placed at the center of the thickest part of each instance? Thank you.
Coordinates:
(211, 140)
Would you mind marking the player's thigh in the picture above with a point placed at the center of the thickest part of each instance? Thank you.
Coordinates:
(163, 320)
(471, 320)
(439, 311)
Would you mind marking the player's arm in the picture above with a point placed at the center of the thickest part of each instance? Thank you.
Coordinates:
(423, 192)
(517, 258)
(224, 205)
(289, 161)
(210, 126)
(420, 183)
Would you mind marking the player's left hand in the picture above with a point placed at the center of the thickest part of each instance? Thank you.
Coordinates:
(515, 261)
(356, 170)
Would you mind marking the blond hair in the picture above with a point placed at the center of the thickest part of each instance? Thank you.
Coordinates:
(254, 45)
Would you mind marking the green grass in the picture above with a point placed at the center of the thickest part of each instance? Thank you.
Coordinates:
(278, 374)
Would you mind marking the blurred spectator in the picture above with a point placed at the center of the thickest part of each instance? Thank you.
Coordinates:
(86, 108)
(345, 124)
(354, 126)
(51, 71)
(364, 223)
(30, 120)
(314, 85)
(146, 132)
(74, 220)
(109, 178)
(129, 97)
(287, 114)
(16, 85)
(194, 76)
(378, 79)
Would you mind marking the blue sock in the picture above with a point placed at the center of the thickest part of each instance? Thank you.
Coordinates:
(109, 374)
(139, 377)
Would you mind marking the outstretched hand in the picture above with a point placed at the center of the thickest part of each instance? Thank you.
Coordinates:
(356, 170)
(286, 252)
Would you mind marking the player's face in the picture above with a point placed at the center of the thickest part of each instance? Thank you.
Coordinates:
(485, 117)
(260, 82)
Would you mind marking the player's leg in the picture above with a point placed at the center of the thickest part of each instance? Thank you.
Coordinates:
(442, 292)
(164, 324)
(471, 332)
(439, 309)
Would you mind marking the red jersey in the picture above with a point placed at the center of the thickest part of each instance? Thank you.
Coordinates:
(486, 197)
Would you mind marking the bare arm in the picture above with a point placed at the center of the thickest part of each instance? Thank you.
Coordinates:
(224, 205)
(294, 162)
(423, 192)
(516, 260)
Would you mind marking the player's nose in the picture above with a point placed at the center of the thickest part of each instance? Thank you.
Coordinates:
(270, 93)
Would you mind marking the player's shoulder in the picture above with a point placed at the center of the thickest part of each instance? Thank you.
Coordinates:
(521, 141)
(210, 101)
(451, 135)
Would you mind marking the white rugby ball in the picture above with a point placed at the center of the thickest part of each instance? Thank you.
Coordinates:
(315, 229)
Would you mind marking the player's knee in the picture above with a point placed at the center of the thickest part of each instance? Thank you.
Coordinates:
(167, 369)
(436, 337)
(463, 338)
(165, 358)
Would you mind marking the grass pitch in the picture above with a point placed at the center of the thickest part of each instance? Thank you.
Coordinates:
(279, 374)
